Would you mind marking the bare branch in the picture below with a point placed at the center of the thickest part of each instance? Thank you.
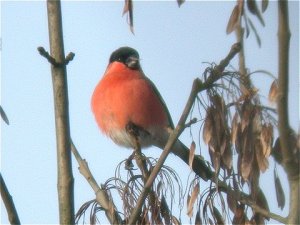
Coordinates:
(290, 158)
(9, 203)
(101, 195)
(283, 79)
(65, 178)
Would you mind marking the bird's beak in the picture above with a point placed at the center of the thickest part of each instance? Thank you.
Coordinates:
(133, 62)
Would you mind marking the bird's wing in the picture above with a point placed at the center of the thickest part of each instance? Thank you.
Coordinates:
(171, 124)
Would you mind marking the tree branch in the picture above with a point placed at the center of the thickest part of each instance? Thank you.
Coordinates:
(9, 203)
(283, 79)
(65, 178)
(290, 159)
(101, 195)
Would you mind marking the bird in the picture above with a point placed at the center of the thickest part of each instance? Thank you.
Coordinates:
(129, 109)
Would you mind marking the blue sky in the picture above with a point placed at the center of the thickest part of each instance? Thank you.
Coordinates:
(172, 42)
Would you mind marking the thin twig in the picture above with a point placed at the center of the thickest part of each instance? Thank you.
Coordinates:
(52, 61)
(9, 203)
(69, 58)
(46, 55)
(191, 122)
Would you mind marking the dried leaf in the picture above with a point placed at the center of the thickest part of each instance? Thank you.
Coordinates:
(189, 211)
(266, 137)
(240, 4)
(247, 114)
(180, 2)
(3, 115)
(198, 220)
(256, 122)
(231, 202)
(247, 157)
(234, 127)
(264, 5)
(273, 92)
(262, 161)
(254, 179)
(233, 20)
(227, 157)
(192, 199)
(128, 8)
(252, 6)
(255, 33)
(224, 142)
(239, 139)
(217, 130)
(208, 128)
(239, 215)
(192, 154)
(279, 191)
(217, 215)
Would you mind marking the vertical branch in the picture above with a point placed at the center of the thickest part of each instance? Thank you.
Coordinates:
(283, 79)
(59, 79)
(290, 164)
(9, 204)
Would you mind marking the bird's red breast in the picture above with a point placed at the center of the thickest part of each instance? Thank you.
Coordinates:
(124, 95)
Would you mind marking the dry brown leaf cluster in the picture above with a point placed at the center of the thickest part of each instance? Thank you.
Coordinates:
(127, 184)
(253, 140)
(239, 134)
(216, 133)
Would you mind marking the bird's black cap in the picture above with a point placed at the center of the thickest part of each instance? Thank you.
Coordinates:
(128, 56)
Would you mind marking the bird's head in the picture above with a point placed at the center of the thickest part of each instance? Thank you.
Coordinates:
(128, 56)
